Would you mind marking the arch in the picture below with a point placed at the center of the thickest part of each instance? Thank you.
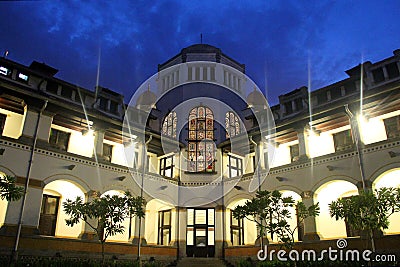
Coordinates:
(7, 171)
(169, 125)
(292, 188)
(293, 213)
(128, 223)
(327, 179)
(159, 230)
(55, 193)
(239, 232)
(70, 178)
(390, 178)
(378, 172)
(4, 202)
(330, 191)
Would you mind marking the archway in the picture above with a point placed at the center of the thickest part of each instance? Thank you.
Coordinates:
(128, 223)
(327, 226)
(52, 215)
(390, 178)
(160, 217)
(239, 232)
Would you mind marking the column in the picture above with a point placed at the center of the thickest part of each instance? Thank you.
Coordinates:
(30, 217)
(219, 228)
(310, 226)
(303, 150)
(98, 142)
(139, 231)
(31, 117)
(180, 231)
(88, 233)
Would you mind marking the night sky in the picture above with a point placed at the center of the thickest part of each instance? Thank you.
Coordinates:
(277, 40)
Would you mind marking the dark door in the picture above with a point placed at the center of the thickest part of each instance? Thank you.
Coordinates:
(200, 236)
(48, 215)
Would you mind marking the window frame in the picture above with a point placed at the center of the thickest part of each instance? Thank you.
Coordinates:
(343, 145)
(57, 144)
(162, 227)
(164, 168)
(238, 166)
(237, 227)
(169, 125)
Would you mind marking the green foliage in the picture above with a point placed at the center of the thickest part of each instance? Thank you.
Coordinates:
(270, 211)
(109, 212)
(8, 189)
(368, 211)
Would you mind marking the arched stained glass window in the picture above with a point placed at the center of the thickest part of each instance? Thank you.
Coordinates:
(201, 151)
(169, 125)
(232, 124)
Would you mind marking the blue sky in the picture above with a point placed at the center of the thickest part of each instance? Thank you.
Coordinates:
(277, 40)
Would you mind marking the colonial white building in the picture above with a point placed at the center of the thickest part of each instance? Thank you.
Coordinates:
(196, 140)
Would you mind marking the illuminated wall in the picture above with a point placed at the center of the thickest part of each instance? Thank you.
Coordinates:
(151, 230)
(327, 226)
(250, 229)
(14, 124)
(390, 179)
(125, 235)
(282, 154)
(81, 144)
(65, 190)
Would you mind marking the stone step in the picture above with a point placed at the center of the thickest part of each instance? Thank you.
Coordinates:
(200, 262)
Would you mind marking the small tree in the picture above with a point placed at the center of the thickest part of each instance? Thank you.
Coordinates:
(109, 211)
(368, 211)
(8, 188)
(270, 211)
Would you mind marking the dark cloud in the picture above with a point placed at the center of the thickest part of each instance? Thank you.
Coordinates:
(278, 41)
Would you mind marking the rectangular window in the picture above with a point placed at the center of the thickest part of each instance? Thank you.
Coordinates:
(107, 152)
(392, 70)
(294, 152)
(392, 126)
(237, 233)
(23, 77)
(52, 87)
(343, 140)
(59, 139)
(378, 75)
(103, 103)
(298, 103)
(167, 166)
(5, 71)
(235, 166)
(113, 107)
(336, 93)
(288, 107)
(2, 123)
(66, 92)
(164, 227)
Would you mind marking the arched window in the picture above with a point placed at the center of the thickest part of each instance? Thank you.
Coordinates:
(232, 125)
(169, 125)
(200, 141)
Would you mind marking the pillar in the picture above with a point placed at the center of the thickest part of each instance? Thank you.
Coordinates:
(181, 232)
(98, 142)
(31, 118)
(139, 231)
(30, 217)
(219, 228)
(303, 150)
(310, 226)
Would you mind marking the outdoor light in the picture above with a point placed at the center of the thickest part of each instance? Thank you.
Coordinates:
(71, 167)
(392, 154)
(87, 132)
(330, 168)
(2, 151)
(281, 179)
(163, 187)
(121, 178)
(238, 187)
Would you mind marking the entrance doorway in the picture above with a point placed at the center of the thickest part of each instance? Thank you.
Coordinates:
(48, 215)
(200, 233)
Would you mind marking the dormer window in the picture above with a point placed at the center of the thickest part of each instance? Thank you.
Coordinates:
(5, 71)
(23, 77)
(378, 75)
(392, 70)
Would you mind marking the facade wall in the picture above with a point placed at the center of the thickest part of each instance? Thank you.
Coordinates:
(318, 172)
